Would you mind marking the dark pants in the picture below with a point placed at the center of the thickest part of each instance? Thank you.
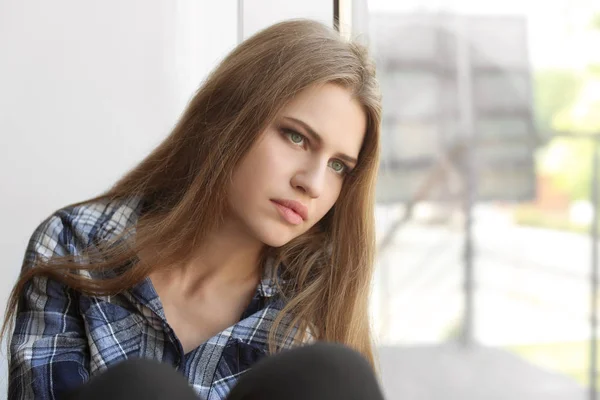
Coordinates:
(316, 372)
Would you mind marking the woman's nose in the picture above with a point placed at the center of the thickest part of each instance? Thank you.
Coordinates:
(311, 181)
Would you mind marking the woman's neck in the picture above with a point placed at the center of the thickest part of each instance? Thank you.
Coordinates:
(227, 257)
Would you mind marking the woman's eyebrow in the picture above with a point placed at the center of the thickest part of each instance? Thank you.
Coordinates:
(319, 139)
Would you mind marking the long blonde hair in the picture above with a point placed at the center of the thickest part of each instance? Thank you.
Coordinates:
(184, 181)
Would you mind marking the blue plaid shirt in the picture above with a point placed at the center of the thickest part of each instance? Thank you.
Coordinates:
(62, 337)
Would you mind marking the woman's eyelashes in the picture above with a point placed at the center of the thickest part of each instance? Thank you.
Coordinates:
(298, 139)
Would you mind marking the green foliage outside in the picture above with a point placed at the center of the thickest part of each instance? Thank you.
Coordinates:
(565, 100)
(555, 90)
(569, 101)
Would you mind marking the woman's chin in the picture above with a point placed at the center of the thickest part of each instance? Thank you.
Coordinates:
(276, 242)
(277, 237)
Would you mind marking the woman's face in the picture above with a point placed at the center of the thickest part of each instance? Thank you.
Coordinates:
(293, 174)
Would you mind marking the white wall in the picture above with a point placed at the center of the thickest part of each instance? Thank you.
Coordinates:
(87, 88)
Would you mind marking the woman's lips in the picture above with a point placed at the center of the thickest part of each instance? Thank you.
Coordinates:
(288, 213)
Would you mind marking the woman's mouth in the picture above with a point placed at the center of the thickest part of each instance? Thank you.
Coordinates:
(288, 214)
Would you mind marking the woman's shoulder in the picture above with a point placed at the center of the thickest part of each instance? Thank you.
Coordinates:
(73, 228)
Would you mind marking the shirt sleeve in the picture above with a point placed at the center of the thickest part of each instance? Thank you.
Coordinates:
(48, 349)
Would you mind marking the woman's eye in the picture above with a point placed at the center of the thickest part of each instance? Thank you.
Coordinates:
(295, 137)
(338, 167)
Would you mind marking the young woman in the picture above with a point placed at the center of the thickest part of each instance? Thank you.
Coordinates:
(248, 231)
